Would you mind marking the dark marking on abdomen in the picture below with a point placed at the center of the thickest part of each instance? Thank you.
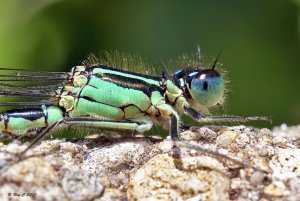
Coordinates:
(29, 114)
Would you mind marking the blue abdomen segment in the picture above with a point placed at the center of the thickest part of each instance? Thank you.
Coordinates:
(29, 121)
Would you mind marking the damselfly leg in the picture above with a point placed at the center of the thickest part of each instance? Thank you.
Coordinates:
(201, 118)
(138, 125)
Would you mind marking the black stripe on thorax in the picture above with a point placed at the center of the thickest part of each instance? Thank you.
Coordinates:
(121, 107)
(156, 78)
(131, 83)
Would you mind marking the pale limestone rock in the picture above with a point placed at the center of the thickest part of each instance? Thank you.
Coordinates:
(114, 168)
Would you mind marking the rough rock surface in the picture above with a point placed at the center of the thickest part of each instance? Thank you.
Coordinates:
(134, 168)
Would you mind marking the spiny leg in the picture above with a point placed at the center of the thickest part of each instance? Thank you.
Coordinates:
(174, 124)
(218, 119)
(204, 119)
(138, 124)
(41, 136)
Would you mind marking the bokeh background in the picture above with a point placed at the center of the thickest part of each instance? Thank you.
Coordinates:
(259, 39)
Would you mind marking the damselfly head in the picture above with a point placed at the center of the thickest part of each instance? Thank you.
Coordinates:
(206, 86)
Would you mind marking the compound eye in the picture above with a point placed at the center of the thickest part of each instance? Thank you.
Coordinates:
(207, 87)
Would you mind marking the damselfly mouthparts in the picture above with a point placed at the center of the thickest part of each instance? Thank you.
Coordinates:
(102, 96)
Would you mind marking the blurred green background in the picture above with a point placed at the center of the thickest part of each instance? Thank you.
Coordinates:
(259, 38)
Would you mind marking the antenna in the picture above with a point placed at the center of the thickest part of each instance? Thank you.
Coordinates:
(215, 63)
(199, 55)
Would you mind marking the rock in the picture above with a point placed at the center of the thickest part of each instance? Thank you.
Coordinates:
(226, 138)
(80, 185)
(160, 179)
(196, 133)
(242, 140)
(257, 178)
(285, 163)
(117, 157)
(112, 194)
(33, 178)
(138, 168)
(276, 189)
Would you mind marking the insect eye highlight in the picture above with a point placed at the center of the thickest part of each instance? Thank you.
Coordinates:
(207, 87)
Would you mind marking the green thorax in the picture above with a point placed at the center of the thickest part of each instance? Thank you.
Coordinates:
(111, 93)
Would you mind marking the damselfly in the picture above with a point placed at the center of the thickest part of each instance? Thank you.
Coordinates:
(98, 95)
